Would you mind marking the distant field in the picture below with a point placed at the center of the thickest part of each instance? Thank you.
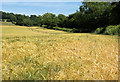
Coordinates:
(7, 23)
(36, 53)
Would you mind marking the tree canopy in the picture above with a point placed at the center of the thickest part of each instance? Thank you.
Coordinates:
(91, 15)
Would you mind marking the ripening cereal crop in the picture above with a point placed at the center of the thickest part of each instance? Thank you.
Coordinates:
(41, 54)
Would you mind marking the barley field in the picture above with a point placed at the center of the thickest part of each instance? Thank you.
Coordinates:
(35, 53)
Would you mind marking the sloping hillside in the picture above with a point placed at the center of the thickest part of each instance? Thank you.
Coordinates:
(36, 53)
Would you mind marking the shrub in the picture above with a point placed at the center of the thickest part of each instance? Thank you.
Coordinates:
(49, 27)
(99, 30)
(76, 30)
(8, 20)
(13, 22)
(56, 28)
(63, 29)
(45, 26)
(112, 30)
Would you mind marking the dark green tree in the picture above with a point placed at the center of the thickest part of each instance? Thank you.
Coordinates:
(50, 20)
(61, 19)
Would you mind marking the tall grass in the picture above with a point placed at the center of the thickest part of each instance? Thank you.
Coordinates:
(41, 55)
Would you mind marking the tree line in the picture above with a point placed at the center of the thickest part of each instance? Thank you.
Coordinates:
(89, 17)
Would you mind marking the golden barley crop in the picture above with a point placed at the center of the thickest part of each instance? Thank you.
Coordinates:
(35, 53)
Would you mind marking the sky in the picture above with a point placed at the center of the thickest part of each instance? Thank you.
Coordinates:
(40, 8)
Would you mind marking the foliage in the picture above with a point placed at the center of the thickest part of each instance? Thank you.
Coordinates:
(50, 19)
(115, 16)
(28, 22)
(99, 30)
(63, 29)
(113, 30)
(76, 30)
(89, 17)
(45, 26)
(61, 19)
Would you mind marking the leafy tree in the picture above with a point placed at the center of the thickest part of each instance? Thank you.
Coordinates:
(89, 17)
(92, 15)
(115, 13)
(61, 19)
(50, 20)
(0, 14)
(34, 19)
(39, 21)
(27, 22)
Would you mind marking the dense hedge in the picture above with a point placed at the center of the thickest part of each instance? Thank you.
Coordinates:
(99, 30)
(63, 29)
(109, 30)
(45, 26)
(112, 30)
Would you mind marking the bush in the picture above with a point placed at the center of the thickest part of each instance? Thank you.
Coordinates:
(112, 30)
(13, 22)
(49, 27)
(63, 29)
(8, 20)
(99, 30)
(76, 30)
(56, 28)
(45, 26)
